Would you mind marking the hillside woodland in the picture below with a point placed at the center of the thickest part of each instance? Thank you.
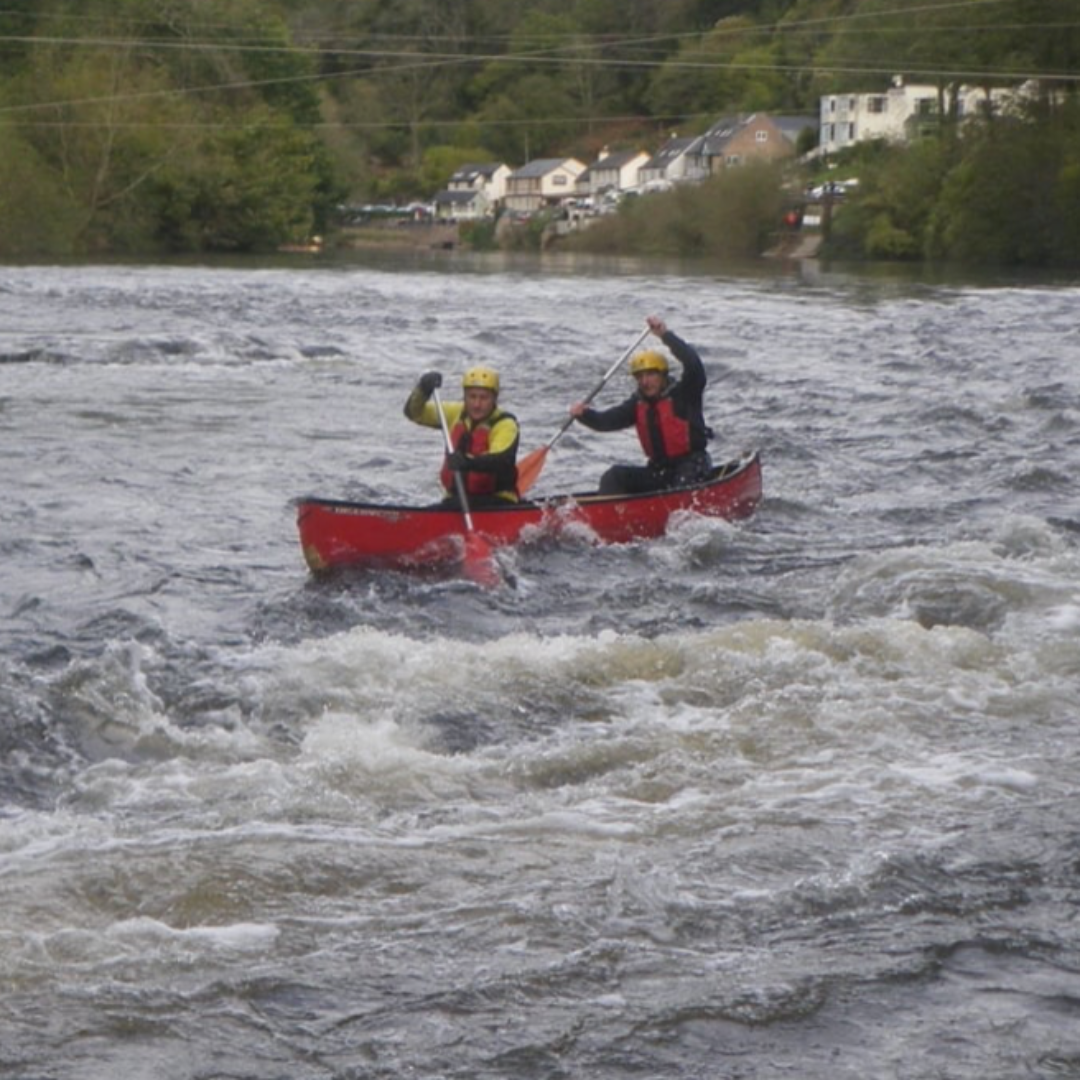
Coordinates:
(170, 126)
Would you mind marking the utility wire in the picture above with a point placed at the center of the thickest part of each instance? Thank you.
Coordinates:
(410, 60)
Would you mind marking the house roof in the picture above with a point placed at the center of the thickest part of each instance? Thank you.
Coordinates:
(456, 198)
(539, 167)
(614, 161)
(472, 170)
(672, 149)
(722, 131)
(794, 126)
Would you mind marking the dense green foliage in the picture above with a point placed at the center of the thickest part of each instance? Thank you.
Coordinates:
(730, 216)
(238, 125)
(138, 125)
(1007, 193)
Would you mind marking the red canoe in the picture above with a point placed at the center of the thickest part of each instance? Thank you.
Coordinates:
(335, 533)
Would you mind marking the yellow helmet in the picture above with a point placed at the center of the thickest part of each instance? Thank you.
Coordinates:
(648, 361)
(483, 378)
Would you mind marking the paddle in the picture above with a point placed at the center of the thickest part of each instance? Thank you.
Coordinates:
(480, 566)
(532, 464)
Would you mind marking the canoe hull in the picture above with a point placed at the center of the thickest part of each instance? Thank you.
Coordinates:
(335, 533)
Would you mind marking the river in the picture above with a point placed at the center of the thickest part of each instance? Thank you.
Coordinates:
(792, 797)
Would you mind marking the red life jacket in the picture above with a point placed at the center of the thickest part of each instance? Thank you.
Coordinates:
(476, 483)
(674, 431)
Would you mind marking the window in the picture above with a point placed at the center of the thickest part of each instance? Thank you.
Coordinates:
(876, 104)
(559, 180)
(761, 136)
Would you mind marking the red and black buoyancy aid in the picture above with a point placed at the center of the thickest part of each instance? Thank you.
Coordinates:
(478, 441)
(664, 434)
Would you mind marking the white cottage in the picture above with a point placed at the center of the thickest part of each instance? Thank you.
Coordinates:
(611, 172)
(672, 163)
(474, 191)
(542, 183)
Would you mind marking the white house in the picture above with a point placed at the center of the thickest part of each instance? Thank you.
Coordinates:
(846, 119)
(671, 164)
(474, 191)
(611, 172)
(893, 115)
(542, 183)
(461, 205)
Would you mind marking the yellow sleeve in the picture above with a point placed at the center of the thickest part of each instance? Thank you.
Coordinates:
(424, 412)
(503, 436)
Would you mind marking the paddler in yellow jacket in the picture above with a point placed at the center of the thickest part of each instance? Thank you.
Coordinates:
(484, 437)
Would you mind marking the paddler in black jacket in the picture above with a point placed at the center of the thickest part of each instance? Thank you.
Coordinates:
(668, 416)
(484, 437)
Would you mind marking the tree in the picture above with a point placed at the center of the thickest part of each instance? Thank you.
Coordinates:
(133, 128)
(251, 188)
(730, 67)
(441, 162)
(110, 127)
(1027, 216)
(52, 229)
(535, 120)
(892, 214)
(18, 20)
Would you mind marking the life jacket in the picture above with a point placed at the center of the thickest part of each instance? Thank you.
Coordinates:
(479, 483)
(664, 435)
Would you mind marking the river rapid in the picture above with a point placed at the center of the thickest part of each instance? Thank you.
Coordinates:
(793, 797)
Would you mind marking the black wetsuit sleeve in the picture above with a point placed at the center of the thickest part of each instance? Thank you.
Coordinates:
(614, 419)
(693, 370)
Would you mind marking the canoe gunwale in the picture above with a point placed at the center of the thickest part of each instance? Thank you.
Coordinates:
(720, 473)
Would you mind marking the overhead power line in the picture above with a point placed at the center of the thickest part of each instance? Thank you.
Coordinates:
(577, 50)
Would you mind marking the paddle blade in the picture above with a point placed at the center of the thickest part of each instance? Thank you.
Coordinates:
(529, 469)
(480, 565)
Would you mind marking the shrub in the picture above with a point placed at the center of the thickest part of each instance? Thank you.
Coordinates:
(730, 216)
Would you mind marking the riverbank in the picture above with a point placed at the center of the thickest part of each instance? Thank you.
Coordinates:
(445, 237)
(400, 234)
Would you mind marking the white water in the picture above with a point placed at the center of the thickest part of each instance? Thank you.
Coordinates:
(790, 797)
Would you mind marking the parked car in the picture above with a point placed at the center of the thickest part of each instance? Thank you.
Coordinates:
(834, 188)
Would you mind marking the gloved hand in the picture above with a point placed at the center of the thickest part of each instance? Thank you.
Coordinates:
(430, 381)
(457, 461)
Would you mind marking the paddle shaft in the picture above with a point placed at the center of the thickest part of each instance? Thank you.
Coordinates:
(600, 385)
(459, 481)
(530, 466)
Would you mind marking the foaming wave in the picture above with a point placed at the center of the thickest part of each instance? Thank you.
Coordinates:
(381, 760)
(979, 584)
(109, 707)
(572, 709)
